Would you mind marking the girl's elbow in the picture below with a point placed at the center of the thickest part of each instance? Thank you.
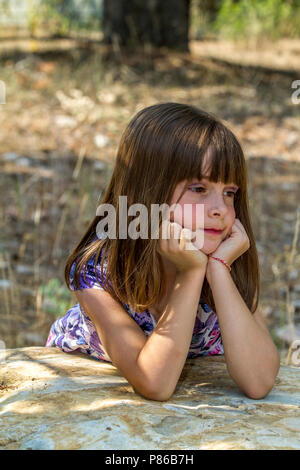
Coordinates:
(261, 390)
(155, 396)
(152, 393)
(258, 393)
(159, 395)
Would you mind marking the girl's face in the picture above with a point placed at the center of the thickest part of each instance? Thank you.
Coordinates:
(218, 208)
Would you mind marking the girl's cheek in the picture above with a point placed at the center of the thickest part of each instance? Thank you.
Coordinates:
(184, 216)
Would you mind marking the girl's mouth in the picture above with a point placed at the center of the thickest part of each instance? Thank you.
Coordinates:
(212, 231)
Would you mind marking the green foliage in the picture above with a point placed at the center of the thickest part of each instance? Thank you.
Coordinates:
(56, 297)
(59, 17)
(48, 16)
(270, 19)
(5, 7)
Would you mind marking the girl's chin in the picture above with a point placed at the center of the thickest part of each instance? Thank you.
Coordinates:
(207, 251)
(208, 247)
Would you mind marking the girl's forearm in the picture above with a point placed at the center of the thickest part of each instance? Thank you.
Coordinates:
(165, 352)
(251, 356)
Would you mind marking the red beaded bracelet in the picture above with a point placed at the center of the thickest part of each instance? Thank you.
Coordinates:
(222, 261)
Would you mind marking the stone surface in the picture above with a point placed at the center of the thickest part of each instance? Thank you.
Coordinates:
(54, 400)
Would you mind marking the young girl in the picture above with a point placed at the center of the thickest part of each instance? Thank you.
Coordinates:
(146, 305)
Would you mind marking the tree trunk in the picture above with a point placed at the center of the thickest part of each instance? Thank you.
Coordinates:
(161, 23)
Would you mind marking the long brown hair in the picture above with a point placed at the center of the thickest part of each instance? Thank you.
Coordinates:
(163, 145)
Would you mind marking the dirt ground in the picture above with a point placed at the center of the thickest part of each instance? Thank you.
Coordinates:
(67, 103)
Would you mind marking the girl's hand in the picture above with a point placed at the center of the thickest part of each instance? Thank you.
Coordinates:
(234, 245)
(179, 249)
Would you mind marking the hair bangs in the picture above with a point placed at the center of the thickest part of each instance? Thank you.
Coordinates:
(189, 145)
(225, 160)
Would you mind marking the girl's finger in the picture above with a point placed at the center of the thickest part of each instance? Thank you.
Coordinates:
(188, 235)
(182, 240)
(238, 223)
(238, 226)
(175, 230)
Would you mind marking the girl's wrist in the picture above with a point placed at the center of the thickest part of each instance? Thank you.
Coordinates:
(194, 276)
(215, 266)
(218, 261)
(192, 273)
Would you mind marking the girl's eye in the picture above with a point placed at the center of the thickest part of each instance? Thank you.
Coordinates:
(195, 189)
(232, 193)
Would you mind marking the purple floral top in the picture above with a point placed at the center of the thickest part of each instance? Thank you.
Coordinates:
(75, 330)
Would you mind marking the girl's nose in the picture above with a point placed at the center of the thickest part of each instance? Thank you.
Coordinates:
(217, 206)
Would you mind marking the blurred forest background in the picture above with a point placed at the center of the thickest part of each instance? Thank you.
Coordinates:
(73, 73)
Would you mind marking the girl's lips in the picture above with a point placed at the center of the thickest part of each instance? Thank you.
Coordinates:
(213, 232)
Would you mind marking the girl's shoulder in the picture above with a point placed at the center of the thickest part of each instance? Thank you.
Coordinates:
(90, 274)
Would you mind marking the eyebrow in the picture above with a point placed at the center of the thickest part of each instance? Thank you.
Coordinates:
(206, 178)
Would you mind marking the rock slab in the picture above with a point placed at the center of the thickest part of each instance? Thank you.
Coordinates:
(55, 400)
